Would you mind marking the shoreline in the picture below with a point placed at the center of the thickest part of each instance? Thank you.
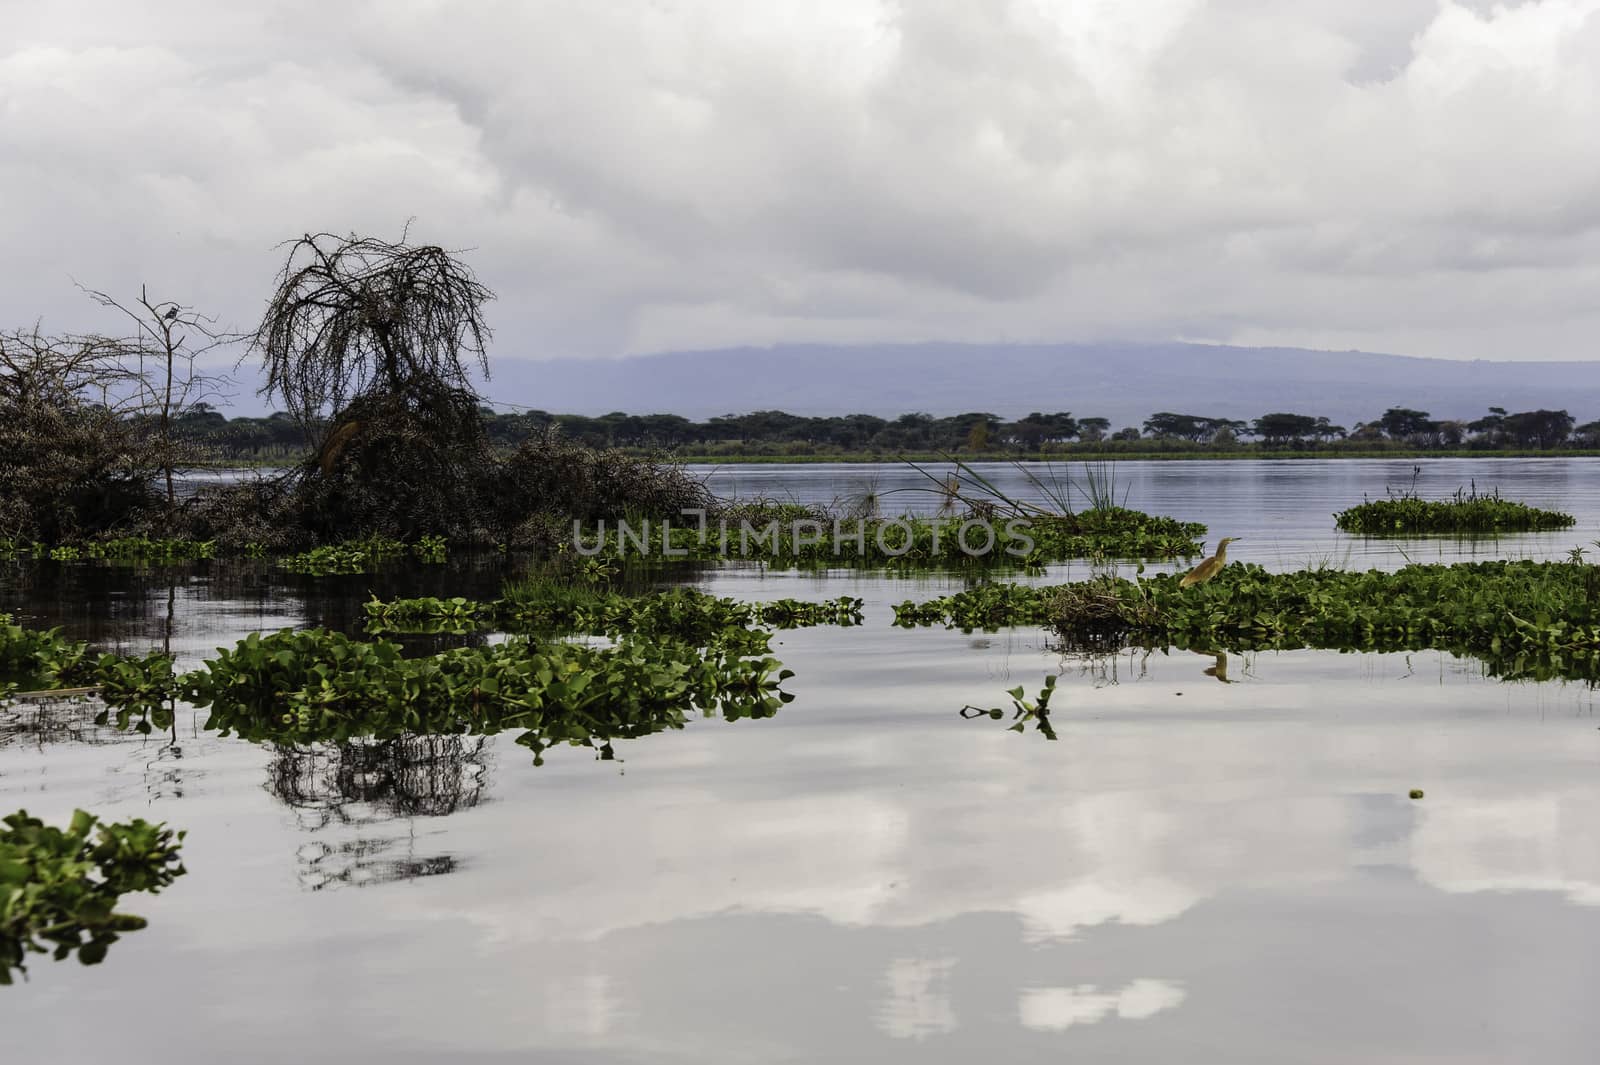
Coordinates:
(1121, 456)
(868, 459)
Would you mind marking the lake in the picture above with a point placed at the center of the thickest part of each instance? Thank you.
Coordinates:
(1215, 862)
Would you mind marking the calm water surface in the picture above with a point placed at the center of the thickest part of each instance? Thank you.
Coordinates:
(1283, 509)
(1210, 864)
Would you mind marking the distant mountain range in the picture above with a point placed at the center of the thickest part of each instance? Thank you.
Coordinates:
(1122, 382)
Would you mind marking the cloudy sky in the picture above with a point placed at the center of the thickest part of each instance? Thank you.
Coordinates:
(1394, 175)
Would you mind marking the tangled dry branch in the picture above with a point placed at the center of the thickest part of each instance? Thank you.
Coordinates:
(358, 316)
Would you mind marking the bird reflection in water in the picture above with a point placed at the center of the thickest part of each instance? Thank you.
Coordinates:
(1220, 669)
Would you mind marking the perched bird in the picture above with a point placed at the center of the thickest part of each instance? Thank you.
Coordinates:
(172, 312)
(1211, 566)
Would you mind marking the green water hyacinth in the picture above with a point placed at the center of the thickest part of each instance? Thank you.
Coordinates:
(59, 888)
(1024, 711)
(144, 549)
(349, 556)
(978, 540)
(126, 549)
(316, 686)
(141, 686)
(1524, 620)
(355, 556)
(1464, 513)
(363, 556)
(140, 691)
(552, 607)
(34, 658)
(455, 616)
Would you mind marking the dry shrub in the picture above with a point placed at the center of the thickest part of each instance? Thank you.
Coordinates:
(1091, 617)
(389, 474)
(261, 511)
(760, 511)
(550, 475)
(396, 467)
(69, 470)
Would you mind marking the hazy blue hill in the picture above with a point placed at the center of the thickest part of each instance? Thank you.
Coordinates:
(1123, 382)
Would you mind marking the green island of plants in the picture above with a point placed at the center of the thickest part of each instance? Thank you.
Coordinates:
(33, 658)
(1523, 619)
(893, 543)
(1465, 512)
(316, 686)
(308, 686)
(980, 538)
(117, 549)
(59, 888)
(545, 606)
(363, 556)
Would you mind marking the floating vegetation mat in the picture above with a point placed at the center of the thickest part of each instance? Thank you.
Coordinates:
(784, 536)
(1465, 512)
(59, 888)
(542, 606)
(984, 537)
(1524, 620)
(311, 686)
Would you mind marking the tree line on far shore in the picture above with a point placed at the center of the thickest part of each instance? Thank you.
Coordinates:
(774, 432)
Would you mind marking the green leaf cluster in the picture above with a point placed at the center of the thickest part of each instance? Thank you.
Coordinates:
(59, 888)
(1465, 513)
(139, 690)
(313, 685)
(351, 556)
(1524, 619)
(911, 543)
(118, 549)
(31, 658)
(545, 606)
(1024, 711)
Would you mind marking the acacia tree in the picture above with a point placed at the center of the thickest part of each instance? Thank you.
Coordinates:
(357, 318)
(368, 344)
(1279, 428)
(1403, 423)
(1193, 427)
(1539, 428)
(1093, 430)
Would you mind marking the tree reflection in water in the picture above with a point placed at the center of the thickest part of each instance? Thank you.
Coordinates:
(41, 722)
(362, 799)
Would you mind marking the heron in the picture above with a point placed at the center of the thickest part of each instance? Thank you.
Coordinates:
(1211, 566)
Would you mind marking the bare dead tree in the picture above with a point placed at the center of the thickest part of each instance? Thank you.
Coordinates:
(158, 361)
(39, 368)
(356, 318)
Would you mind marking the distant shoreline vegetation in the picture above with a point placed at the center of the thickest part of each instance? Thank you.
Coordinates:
(776, 436)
